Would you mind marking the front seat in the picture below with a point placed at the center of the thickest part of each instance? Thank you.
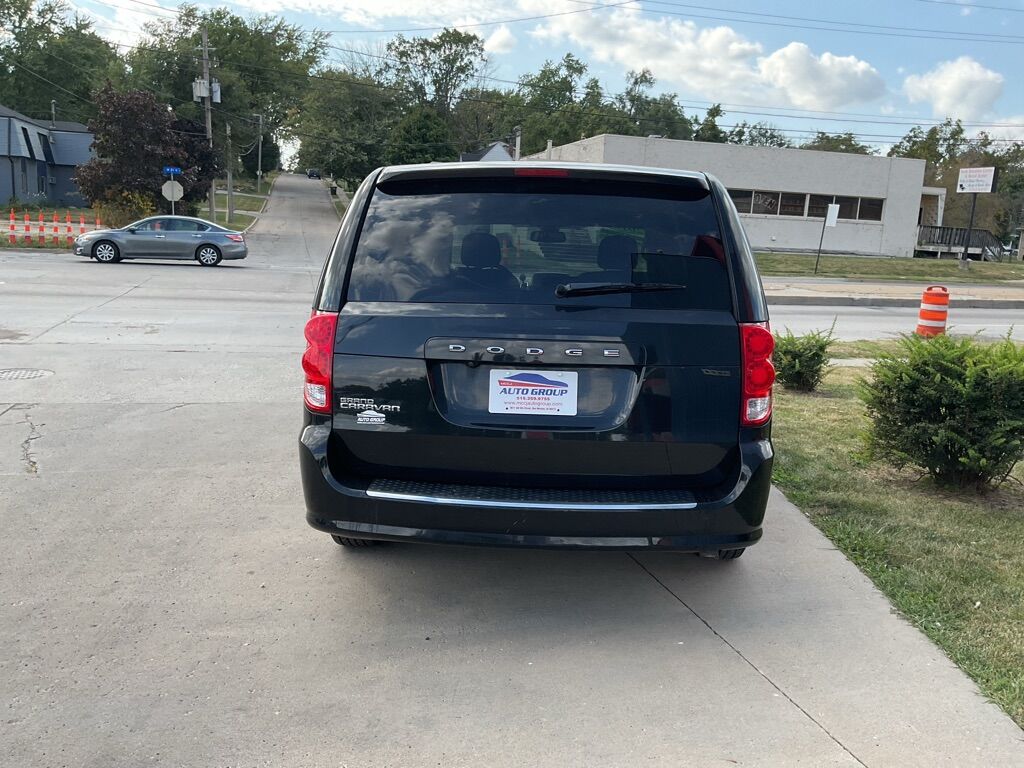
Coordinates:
(616, 258)
(481, 257)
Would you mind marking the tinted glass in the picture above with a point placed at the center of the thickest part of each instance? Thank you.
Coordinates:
(847, 207)
(180, 225)
(870, 209)
(516, 240)
(818, 205)
(766, 202)
(792, 205)
(742, 199)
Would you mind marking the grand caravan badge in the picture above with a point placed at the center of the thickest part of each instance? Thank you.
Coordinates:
(550, 393)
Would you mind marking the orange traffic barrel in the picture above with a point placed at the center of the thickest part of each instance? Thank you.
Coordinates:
(931, 319)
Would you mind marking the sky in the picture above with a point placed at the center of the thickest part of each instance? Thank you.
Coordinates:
(874, 67)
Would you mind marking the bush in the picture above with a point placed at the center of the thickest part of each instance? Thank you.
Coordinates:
(952, 407)
(124, 208)
(801, 362)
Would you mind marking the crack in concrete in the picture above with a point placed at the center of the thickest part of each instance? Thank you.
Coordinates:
(27, 456)
(749, 663)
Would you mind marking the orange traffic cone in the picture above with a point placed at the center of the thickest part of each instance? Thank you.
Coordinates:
(28, 229)
(10, 234)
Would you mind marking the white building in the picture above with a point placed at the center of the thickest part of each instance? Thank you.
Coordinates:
(783, 194)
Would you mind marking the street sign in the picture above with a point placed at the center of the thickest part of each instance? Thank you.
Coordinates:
(976, 180)
(172, 191)
(172, 170)
(832, 216)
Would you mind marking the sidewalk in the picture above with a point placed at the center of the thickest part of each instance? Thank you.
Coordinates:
(823, 291)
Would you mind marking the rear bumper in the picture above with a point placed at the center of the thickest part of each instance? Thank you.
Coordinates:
(232, 252)
(703, 525)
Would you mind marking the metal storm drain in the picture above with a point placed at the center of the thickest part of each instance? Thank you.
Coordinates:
(18, 374)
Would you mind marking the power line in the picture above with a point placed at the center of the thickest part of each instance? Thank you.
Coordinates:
(973, 5)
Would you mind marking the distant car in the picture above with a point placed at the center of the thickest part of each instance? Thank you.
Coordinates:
(164, 237)
(313, 173)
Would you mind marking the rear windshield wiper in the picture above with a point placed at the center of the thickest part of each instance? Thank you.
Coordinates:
(598, 289)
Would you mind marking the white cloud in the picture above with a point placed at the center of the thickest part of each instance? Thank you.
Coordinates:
(500, 40)
(820, 82)
(716, 62)
(960, 88)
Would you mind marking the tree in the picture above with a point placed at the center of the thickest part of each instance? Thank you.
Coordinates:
(434, 70)
(50, 54)
(758, 135)
(939, 147)
(262, 63)
(135, 136)
(837, 142)
(661, 116)
(420, 137)
(708, 130)
(342, 124)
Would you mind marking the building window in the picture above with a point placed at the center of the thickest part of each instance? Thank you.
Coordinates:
(792, 204)
(766, 202)
(870, 209)
(818, 206)
(28, 143)
(42, 185)
(44, 142)
(847, 207)
(742, 199)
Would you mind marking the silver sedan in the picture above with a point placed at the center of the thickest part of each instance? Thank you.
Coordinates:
(164, 237)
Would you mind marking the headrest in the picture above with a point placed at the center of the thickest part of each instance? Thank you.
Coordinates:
(480, 249)
(616, 252)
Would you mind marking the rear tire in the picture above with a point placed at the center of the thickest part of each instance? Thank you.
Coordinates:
(208, 255)
(106, 252)
(347, 541)
(730, 554)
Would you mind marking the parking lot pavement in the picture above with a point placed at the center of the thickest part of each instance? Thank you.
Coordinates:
(162, 601)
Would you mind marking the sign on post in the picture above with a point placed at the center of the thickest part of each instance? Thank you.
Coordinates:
(172, 170)
(976, 180)
(173, 191)
(831, 218)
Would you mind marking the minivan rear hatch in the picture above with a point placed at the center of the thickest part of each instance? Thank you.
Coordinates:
(548, 329)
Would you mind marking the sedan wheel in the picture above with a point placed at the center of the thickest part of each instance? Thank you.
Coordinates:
(106, 252)
(208, 256)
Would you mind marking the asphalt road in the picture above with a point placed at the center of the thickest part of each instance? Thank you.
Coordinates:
(853, 323)
(162, 601)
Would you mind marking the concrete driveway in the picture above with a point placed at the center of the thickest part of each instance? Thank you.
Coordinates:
(162, 601)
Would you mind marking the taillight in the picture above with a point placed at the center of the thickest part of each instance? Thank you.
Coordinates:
(236, 238)
(318, 360)
(758, 373)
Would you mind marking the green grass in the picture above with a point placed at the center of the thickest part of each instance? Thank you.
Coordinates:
(248, 183)
(952, 563)
(240, 220)
(860, 267)
(242, 202)
(876, 348)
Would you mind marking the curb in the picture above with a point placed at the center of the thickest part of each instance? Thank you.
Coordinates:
(886, 301)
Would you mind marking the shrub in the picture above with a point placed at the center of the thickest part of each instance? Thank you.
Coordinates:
(124, 208)
(952, 407)
(801, 362)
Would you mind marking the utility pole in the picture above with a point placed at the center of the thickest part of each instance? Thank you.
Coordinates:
(519, 142)
(208, 102)
(53, 113)
(231, 192)
(259, 159)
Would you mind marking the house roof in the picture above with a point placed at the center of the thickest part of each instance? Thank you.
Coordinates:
(480, 154)
(59, 125)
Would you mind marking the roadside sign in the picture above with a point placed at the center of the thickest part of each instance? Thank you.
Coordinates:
(833, 215)
(172, 191)
(172, 170)
(976, 180)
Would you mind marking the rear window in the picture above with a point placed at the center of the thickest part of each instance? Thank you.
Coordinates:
(514, 240)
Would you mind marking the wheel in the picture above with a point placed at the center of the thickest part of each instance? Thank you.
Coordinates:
(106, 252)
(730, 554)
(345, 541)
(208, 255)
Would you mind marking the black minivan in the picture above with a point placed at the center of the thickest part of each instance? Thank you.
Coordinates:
(539, 354)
